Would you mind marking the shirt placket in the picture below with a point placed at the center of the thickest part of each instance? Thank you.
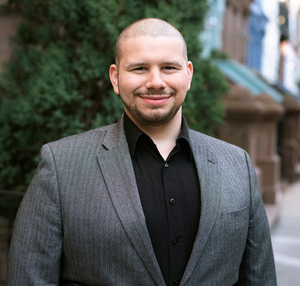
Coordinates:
(175, 221)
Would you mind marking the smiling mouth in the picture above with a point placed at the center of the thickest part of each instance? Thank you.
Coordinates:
(155, 100)
(155, 97)
(155, 93)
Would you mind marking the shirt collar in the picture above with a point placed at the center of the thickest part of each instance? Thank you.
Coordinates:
(133, 133)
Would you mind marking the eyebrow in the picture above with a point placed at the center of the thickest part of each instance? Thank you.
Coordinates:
(134, 65)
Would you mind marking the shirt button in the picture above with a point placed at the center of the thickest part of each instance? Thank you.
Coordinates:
(174, 241)
(172, 201)
(176, 282)
(166, 165)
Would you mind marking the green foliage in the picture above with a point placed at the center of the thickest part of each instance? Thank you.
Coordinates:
(57, 82)
(203, 108)
(216, 54)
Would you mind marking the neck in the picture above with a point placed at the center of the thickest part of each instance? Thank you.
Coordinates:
(164, 136)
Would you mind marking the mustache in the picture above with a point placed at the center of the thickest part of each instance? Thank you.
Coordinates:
(154, 92)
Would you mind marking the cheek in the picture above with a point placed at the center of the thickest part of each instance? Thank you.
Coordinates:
(180, 84)
(129, 84)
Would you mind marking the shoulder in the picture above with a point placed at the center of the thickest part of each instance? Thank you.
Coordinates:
(220, 148)
(90, 140)
(83, 137)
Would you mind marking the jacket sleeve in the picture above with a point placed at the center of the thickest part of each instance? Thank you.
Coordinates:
(257, 267)
(36, 246)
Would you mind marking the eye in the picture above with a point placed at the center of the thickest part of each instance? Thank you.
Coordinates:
(139, 69)
(169, 68)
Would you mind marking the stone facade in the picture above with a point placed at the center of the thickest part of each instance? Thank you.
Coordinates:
(290, 138)
(235, 29)
(267, 158)
(251, 123)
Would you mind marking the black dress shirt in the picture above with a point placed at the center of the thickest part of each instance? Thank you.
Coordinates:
(170, 196)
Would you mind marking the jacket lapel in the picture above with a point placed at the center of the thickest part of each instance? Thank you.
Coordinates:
(209, 177)
(117, 170)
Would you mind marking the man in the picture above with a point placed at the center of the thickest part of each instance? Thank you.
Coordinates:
(145, 201)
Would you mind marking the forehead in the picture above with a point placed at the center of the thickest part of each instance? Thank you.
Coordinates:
(147, 47)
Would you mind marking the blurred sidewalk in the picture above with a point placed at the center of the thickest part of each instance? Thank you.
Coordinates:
(285, 234)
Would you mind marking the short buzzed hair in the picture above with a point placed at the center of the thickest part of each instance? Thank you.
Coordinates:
(148, 27)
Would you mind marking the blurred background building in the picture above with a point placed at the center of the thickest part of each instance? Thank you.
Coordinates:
(256, 46)
(260, 34)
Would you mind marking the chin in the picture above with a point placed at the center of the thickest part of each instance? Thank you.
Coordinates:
(156, 118)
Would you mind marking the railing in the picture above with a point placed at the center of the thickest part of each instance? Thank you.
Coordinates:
(9, 203)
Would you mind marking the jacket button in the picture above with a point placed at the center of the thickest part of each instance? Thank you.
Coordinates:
(166, 165)
(176, 282)
(172, 201)
(174, 241)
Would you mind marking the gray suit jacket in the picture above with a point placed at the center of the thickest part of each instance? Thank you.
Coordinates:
(81, 221)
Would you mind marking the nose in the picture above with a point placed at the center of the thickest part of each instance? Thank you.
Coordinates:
(155, 80)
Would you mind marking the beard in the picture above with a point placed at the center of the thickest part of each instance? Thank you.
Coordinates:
(154, 116)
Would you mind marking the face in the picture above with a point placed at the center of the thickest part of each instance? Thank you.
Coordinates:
(152, 79)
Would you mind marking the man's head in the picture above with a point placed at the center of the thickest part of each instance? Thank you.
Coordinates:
(151, 74)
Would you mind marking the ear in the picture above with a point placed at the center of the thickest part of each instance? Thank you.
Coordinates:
(190, 71)
(113, 75)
